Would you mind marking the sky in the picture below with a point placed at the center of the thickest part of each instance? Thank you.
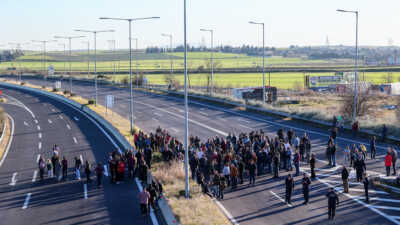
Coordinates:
(287, 22)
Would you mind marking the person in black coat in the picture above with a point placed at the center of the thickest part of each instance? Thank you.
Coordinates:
(333, 201)
(289, 183)
(306, 183)
(373, 147)
(360, 169)
(366, 187)
(312, 166)
(345, 178)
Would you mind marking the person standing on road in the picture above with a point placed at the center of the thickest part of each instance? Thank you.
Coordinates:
(226, 171)
(131, 165)
(345, 178)
(388, 162)
(88, 171)
(312, 166)
(49, 169)
(306, 183)
(394, 159)
(64, 164)
(289, 183)
(333, 154)
(360, 168)
(99, 174)
(144, 197)
(384, 132)
(78, 164)
(296, 161)
(308, 148)
(333, 201)
(355, 128)
(373, 147)
(275, 161)
(42, 166)
(366, 186)
(252, 173)
(346, 155)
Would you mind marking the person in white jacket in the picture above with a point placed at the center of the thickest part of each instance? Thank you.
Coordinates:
(226, 171)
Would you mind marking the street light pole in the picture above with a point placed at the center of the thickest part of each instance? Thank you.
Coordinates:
(170, 50)
(212, 57)
(130, 60)
(355, 65)
(69, 38)
(94, 32)
(187, 194)
(136, 63)
(65, 70)
(263, 55)
(44, 57)
(18, 47)
(113, 50)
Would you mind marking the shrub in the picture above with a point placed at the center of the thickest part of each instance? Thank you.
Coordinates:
(55, 90)
(43, 87)
(91, 101)
(22, 83)
(66, 92)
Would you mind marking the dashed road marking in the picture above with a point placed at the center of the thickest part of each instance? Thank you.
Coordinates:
(75, 141)
(36, 121)
(203, 113)
(34, 175)
(61, 117)
(76, 118)
(157, 114)
(53, 110)
(38, 127)
(40, 145)
(50, 121)
(14, 179)
(25, 123)
(26, 203)
(174, 129)
(40, 135)
(80, 156)
(69, 128)
(155, 119)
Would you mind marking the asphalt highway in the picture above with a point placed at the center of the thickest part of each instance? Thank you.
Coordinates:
(40, 123)
(260, 204)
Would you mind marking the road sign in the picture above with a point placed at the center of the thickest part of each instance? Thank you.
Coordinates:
(51, 70)
(57, 84)
(109, 101)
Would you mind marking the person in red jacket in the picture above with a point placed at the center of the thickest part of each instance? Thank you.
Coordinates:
(388, 162)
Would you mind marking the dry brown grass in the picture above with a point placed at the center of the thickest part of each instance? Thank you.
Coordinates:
(197, 210)
(7, 134)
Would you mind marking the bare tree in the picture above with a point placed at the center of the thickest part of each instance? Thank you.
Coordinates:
(364, 103)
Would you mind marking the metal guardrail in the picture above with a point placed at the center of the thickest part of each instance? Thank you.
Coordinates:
(166, 210)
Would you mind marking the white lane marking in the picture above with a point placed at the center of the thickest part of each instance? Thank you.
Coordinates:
(36, 121)
(362, 190)
(227, 214)
(152, 215)
(38, 127)
(10, 141)
(203, 113)
(61, 117)
(14, 179)
(28, 197)
(40, 145)
(76, 118)
(190, 120)
(21, 104)
(50, 121)
(105, 170)
(53, 110)
(181, 111)
(378, 199)
(174, 129)
(81, 158)
(385, 207)
(25, 123)
(243, 120)
(329, 175)
(40, 135)
(241, 125)
(75, 141)
(69, 128)
(281, 199)
(34, 175)
(157, 114)
(37, 158)
(156, 120)
(85, 191)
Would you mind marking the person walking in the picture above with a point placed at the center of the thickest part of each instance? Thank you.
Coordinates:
(333, 201)
(346, 155)
(131, 165)
(144, 197)
(394, 159)
(289, 183)
(373, 147)
(360, 168)
(388, 162)
(64, 164)
(333, 154)
(99, 174)
(345, 178)
(384, 132)
(306, 183)
(78, 164)
(88, 171)
(366, 187)
(312, 166)
(296, 161)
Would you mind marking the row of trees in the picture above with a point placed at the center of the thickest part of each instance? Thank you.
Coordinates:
(7, 55)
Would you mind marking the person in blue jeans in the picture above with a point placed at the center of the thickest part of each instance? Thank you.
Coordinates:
(333, 154)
